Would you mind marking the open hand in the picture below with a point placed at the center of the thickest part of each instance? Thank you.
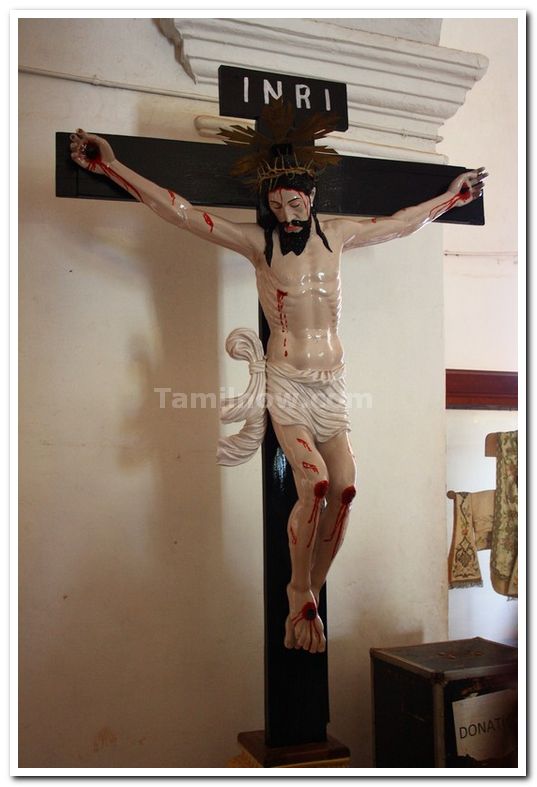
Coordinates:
(88, 150)
(469, 185)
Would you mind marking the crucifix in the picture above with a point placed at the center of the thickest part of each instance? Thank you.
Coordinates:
(308, 466)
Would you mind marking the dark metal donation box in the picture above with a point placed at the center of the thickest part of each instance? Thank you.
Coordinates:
(445, 705)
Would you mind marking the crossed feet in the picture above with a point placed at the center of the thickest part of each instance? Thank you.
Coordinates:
(304, 628)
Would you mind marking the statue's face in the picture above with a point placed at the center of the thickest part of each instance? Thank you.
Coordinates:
(291, 207)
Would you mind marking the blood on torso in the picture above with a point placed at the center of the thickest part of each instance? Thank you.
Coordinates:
(301, 299)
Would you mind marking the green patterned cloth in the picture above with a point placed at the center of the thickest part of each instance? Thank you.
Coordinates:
(504, 551)
(472, 530)
(489, 520)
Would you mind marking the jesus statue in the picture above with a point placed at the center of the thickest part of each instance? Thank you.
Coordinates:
(296, 258)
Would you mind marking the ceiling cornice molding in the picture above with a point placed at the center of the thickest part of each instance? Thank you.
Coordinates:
(399, 91)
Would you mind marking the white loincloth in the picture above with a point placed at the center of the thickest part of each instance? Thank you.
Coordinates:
(309, 397)
(314, 399)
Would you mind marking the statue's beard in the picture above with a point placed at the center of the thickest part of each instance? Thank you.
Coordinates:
(294, 241)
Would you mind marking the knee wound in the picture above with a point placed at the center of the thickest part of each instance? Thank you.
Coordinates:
(320, 489)
(348, 495)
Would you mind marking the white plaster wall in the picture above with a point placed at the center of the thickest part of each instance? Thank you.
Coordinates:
(480, 286)
(141, 627)
(423, 30)
(389, 586)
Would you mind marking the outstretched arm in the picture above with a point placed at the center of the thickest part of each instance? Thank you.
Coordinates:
(365, 232)
(96, 155)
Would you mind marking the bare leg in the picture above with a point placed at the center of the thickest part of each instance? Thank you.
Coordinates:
(304, 628)
(339, 459)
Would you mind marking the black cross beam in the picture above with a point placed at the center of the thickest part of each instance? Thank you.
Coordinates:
(199, 171)
(296, 682)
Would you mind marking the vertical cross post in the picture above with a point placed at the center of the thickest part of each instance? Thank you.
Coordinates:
(296, 682)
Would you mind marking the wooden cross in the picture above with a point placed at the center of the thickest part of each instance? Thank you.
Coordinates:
(296, 682)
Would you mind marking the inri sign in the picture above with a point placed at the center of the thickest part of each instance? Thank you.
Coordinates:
(243, 93)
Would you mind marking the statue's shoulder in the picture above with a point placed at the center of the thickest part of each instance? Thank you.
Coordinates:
(333, 228)
(255, 240)
(253, 232)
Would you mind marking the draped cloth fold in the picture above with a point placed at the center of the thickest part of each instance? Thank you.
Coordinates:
(314, 398)
(504, 549)
(472, 530)
(250, 407)
(489, 520)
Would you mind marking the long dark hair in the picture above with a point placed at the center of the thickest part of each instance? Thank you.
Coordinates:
(266, 218)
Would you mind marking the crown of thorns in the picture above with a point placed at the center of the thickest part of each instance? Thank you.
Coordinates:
(282, 148)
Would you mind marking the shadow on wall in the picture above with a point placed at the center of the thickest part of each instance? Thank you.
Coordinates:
(135, 669)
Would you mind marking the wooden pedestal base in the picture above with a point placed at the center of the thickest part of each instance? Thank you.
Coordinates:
(256, 754)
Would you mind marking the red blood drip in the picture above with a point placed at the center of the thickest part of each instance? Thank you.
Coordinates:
(208, 221)
(305, 200)
(172, 195)
(347, 496)
(91, 151)
(307, 466)
(304, 443)
(314, 517)
(338, 527)
(280, 295)
(447, 205)
(114, 175)
(319, 490)
(294, 539)
(308, 612)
